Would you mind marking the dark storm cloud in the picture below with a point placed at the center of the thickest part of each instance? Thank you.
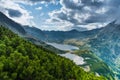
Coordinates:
(14, 13)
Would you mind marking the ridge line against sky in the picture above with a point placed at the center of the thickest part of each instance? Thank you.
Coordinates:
(62, 14)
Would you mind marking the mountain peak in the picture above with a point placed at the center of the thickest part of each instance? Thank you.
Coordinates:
(113, 22)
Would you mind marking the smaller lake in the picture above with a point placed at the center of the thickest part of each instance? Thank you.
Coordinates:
(75, 58)
(63, 46)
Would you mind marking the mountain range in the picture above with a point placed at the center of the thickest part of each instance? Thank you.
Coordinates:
(22, 60)
(25, 31)
(103, 42)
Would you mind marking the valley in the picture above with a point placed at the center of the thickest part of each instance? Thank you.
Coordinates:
(23, 60)
(59, 39)
(84, 48)
(85, 59)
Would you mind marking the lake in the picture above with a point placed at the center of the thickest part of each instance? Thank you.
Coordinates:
(63, 46)
(75, 58)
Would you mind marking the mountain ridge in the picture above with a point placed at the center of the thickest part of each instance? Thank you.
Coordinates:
(107, 45)
(4, 20)
(22, 31)
(37, 36)
(22, 60)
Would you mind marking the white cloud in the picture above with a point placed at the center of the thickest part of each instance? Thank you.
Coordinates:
(24, 19)
(91, 26)
(38, 8)
(55, 25)
(35, 2)
(102, 10)
(89, 14)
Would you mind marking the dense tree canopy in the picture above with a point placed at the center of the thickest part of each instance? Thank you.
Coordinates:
(22, 60)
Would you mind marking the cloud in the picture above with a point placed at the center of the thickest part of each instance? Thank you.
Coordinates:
(114, 3)
(39, 0)
(79, 28)
(33, 2)
(14, 13)
(86, 13)
(57, 25)
(72, 13)
(38, 8)
(79, 4)
(77, 12)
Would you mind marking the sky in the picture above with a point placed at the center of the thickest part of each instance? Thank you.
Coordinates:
(62, 14)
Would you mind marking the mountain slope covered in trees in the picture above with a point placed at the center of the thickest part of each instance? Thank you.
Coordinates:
(25, 32)
(22, 60)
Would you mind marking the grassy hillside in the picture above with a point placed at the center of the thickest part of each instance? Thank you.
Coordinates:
(96, 64)
(22, 60)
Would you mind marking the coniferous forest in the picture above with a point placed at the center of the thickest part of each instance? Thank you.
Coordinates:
(22, 60)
